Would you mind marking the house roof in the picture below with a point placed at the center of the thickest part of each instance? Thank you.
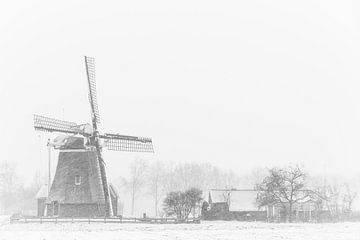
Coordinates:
(243, 201)
(216, 196)
(43, 192)
(240, 200)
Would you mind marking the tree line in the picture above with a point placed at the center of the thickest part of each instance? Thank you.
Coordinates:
(286, 186)
(283, 186)
(157, 178)
(15, 195)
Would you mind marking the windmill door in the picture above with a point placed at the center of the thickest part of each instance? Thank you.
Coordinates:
(56, 207)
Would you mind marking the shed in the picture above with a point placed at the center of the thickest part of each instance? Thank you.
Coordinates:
(41, 196)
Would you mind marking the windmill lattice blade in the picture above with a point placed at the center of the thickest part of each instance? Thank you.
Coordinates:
(125, 143)
(47, 124)
(90, 70)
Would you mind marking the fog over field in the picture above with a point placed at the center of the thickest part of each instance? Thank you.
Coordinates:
(235, 87)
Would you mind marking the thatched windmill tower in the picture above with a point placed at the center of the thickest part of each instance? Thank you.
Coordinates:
(80, 187)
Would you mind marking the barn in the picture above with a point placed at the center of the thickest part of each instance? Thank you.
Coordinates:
(235, 204)
(41, 197)
(240, 204)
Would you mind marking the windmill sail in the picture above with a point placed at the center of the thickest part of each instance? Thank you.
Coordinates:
(125, 143)
(90, 71)
(47, 124)
(81, 158)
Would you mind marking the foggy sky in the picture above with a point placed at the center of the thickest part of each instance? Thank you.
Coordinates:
(238, 84)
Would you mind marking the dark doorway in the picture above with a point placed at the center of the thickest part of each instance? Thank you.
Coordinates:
(56, 207)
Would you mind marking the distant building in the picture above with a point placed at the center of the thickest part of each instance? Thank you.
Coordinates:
(233, 204)
(241, 205)
(308, 209)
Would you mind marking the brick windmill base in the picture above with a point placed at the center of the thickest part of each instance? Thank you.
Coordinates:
(77, 189)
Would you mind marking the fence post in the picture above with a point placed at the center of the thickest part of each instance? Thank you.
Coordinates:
(40, 219)
(56, 220)
(89, 220)
(72, 219)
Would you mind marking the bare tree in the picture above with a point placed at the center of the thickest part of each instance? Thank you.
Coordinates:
(283, 186)
(348, 198)
(138, 171)
(188, 175)
(229, 180)
(336, 196)
(332, 196)
(9, 186)
(182, 176)
(255, 177)
(155, 178)
(168, 177)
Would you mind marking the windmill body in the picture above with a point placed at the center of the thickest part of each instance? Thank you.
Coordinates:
(77, 189)
(80, 187)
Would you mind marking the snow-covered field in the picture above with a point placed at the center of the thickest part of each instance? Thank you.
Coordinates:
(205, 230)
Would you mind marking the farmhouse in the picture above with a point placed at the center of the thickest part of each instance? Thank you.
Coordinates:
(233, 204)
(241, 205)
(308, 209)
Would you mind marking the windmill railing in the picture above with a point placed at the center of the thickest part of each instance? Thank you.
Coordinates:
(117, 219)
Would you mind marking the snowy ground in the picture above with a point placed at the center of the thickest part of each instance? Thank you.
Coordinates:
(205, 230)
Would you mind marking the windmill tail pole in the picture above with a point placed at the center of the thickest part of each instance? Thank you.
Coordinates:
(109, 210)
(49, 165)
(106, 188)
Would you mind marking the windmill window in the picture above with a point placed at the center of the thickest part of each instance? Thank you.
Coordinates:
(77, 180)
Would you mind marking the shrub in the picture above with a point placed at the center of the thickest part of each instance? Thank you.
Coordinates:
(181, 203)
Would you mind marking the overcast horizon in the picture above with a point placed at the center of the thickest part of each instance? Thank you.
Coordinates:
(238, 85)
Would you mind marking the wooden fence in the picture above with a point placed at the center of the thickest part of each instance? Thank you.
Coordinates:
(28, 219)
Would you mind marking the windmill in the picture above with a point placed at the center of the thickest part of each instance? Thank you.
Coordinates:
(81, 160)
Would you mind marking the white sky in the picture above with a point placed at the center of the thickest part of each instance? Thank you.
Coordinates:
(234, 83)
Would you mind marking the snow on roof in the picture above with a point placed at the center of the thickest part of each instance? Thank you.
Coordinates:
(43, 192)
(218, 196)
(240, 200)
(243, 200)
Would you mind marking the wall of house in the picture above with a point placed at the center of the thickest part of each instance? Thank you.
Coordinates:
(220, 211)
(248, 216)
(41, 206)
(300, 213)
(217, 211)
